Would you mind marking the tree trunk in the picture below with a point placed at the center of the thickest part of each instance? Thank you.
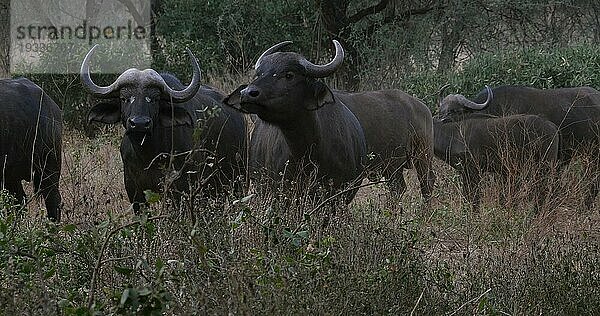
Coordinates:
(337, 24)
(4, 39)
(450, 44)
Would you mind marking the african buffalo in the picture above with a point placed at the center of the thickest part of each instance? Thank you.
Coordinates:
(575, 111)
(167, 123)
(30, 141)
(398, 131)
(479, 143)
(293, 106)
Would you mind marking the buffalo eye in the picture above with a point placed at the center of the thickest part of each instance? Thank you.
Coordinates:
(128, 99)
(148, 99)
(289, 75)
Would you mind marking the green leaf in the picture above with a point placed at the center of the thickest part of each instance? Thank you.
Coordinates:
(151, 197)
(50, 273)
(302, 234)
(144, 292)
(69, 228)
(240, 218)
(123, 270)
(245, 199)
(150, 229)
(124, 296)
(81, 311)
(160, 267)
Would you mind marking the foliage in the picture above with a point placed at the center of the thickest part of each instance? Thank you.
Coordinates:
(567, 67)
(542, 68)
(227, 36)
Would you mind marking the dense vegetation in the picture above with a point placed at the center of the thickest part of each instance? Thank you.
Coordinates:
(258, 253)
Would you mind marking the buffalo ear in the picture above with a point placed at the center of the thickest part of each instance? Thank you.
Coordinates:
(107, 112)
(175, 116)
(322, 95)
(234, 99)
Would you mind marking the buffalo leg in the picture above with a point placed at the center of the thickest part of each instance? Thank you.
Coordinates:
(426, 178)
(396, 183)
(16, 189)
(547, 177)
(595, 183)
(134, 192)
(47, 185)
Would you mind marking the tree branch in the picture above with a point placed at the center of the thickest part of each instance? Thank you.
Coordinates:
(137, 17)
(403, 16)
(361, 14)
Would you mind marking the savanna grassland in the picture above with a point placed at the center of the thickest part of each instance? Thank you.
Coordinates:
(259, 253)
(279, 251)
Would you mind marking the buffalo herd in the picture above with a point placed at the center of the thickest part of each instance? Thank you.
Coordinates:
(181, 139)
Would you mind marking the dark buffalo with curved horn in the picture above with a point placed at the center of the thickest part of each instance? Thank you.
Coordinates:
(30, 142)
(575, 111)
(397, 127)
(160, 116)
(293, 106)
(480, 143)
(398, 130)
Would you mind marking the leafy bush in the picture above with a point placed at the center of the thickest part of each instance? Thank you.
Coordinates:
(228, 36)
(541, 68)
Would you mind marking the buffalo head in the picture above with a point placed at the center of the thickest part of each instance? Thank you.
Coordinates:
(285, 85)
(140, 99)
(457, 104)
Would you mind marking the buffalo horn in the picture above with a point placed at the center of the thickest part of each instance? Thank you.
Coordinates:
(321, 71)
(478, 106)
(84, 74)
(130, 74)
(189, 91)
(441, 93)
(270, 51)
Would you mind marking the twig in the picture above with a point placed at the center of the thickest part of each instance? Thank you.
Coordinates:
(116, 259)
(417, 303)
(35, 136)
(470, 301)
(173, 156)
(24, 254)
(335, 196)
(99, 261)
(329, 199)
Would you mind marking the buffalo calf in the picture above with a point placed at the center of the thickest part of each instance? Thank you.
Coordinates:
(504, 145)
